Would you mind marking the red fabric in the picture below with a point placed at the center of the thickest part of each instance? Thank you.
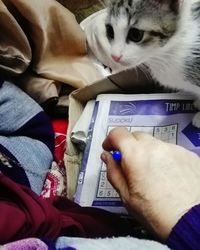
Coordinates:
(60, 127)
(24, 214)
(55, 183)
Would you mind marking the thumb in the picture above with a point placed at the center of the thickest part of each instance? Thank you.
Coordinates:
(115, 174)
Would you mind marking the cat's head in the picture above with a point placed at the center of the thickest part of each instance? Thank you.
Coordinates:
(138, 29)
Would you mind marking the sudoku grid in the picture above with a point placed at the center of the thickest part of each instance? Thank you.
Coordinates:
(165, 133)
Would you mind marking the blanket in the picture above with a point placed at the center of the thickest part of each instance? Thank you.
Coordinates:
(67, 243)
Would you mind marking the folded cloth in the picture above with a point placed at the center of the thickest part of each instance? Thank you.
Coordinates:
(26, 138)
(42, 42)
(32, 216)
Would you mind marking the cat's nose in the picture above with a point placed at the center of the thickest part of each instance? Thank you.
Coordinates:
(116, 58)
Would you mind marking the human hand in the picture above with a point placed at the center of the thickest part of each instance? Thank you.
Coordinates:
(157, 181)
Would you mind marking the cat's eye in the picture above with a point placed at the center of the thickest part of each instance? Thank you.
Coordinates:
(135, 35)
(109, 32)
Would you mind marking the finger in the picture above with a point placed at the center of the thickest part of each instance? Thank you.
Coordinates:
(141, 136)
(115, 174)
(117, 139)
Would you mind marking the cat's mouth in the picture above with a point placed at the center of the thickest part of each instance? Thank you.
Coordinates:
(124, 64)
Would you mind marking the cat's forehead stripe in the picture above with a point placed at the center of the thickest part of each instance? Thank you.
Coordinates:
(123, 19)
(120, 23)
(146, 18)
(116, 6)
(196, 10)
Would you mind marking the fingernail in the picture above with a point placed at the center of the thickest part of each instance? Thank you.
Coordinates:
(104, 157)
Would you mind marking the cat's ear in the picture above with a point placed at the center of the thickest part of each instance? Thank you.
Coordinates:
(173, 4)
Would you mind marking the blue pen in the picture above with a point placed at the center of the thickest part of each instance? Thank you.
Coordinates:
(117, 156)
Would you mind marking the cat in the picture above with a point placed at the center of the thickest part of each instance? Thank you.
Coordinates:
(162, 34)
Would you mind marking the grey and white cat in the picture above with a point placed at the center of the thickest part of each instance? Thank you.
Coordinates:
(162, 34)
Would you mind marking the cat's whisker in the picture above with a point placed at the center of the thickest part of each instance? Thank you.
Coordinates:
(163, 45)
(131, 58)
(144, 70)
(136, 70)
(160, 62)
(102, 3)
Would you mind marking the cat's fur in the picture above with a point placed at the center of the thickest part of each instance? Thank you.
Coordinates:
(170, 45)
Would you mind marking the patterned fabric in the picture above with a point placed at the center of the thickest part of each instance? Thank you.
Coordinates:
(55, 183)
(26, 138)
